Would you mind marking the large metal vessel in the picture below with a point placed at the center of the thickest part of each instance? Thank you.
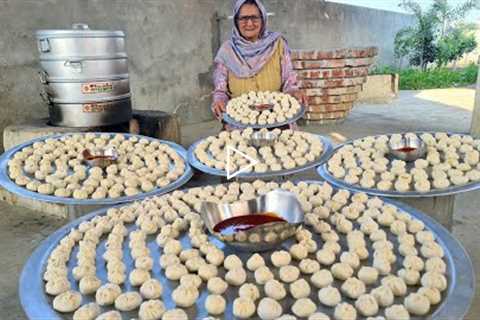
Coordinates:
(85, 73)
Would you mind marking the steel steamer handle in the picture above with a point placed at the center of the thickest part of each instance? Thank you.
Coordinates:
(76, 65)
(43, 75)
(80, 26)
(43, 45)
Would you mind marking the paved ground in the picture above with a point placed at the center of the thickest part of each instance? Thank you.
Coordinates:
(22, 230)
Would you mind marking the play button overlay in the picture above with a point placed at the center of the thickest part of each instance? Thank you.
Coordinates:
(251, 162)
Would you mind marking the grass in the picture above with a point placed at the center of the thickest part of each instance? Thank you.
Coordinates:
(415, 79)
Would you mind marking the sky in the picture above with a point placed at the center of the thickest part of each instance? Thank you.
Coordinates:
(392, 5)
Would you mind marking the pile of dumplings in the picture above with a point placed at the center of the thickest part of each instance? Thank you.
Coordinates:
(451, 160)
(56, 166)
(242, 109)
(293, 149)
(355, 257)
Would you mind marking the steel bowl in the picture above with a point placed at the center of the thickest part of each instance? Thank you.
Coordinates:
(260, 139)
(262, 237)
(101, 158)
(415, 143)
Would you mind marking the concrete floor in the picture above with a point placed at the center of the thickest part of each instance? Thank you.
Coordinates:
(21, 230)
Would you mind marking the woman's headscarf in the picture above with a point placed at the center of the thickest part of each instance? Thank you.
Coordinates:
(242, 57)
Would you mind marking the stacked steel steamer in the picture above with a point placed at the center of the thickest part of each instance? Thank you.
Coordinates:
(85, 73)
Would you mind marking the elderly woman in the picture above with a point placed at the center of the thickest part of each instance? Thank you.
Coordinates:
(254, 59)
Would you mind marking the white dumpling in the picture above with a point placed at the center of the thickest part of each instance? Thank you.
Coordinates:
(243, 308)
(67, 301)
(215, 304)
(207, 271)
(175, 314)
(298, 251)
(89, 284)
(255, 261)
(417, 304)
(353, 288)
(397, 312)
(304, 307)
(263, 274)
(329, 296)
(107, 294)
(232, 262)
(368, 275)
(110, 315)
(175, 271)
(396, 284)
(151, 289)
(269, 309)
(216, 285)
(342, 271)
(237, 277)
(300, 289)
(322, 278)
(367, 305)
(383, 295)
(250, 291)
(138, 276)
(185, 296)
(88, 311)
(288, 273)
(128, 301)
(151, 310)
(280, 258)
(275, 289)
(345, 311)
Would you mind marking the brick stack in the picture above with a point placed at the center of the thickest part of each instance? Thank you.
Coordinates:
(332, 80)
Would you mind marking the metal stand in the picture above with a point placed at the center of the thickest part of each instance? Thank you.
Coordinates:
(439, 208)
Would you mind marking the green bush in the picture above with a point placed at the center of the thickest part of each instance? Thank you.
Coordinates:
(416, 79)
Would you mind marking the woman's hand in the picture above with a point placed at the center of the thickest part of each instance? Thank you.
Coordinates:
(218, 109)
(300, 96)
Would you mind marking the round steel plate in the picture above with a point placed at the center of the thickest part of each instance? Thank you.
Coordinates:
(37, 305)
(323, 172)
(12, 187)
(229, 120)
(192, 159)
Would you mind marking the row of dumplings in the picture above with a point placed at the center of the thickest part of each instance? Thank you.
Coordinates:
(291, 150)
(316, 262)
(283, 108)
(449, 161)
(56, 166)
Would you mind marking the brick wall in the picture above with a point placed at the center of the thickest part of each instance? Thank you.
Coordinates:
(332, 79)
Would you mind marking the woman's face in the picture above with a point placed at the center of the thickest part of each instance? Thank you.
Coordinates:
(250, 22)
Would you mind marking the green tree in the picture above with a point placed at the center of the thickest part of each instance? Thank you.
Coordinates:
(437, 36)
(454, 45)
(417, 42)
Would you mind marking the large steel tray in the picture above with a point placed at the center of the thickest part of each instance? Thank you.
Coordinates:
(323, 172)
(194, 162)
(229, 120)
(11, 186)
(37, 304)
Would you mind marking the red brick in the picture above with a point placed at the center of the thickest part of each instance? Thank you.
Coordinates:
(332, 73)
(336, 91)
(332, 99)
(329, 107)
(334, 54)
(331, 63)
(326, 115)
(319, 64)
(313, 86)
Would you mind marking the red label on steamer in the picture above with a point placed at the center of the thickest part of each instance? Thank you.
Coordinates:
(96, 107)
(97, 87)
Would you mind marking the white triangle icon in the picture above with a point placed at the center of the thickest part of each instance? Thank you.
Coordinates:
(230, 151)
